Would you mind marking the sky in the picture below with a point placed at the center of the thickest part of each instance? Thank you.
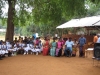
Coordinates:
(5, 10)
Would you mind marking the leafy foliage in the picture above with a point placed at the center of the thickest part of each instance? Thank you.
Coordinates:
(93, 8)
(44, 15)
(52, 11)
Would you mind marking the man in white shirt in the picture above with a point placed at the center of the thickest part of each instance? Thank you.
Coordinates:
(68, 47)
(98, 41)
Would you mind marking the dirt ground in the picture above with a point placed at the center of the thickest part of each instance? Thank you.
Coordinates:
(47, 65)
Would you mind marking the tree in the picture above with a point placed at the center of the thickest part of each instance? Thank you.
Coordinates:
(49, 13)
(44, 12)
(93, 8)
(10, 23)
(13, 17)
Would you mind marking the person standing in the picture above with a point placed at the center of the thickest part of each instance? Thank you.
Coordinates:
(95, 38)
(98, 39)
(46, 46)
(81, 43)
(53, 47)
(59, 47)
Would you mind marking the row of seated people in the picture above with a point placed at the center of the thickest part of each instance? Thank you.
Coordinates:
(54, 48)
(10, 49)
(59, 47)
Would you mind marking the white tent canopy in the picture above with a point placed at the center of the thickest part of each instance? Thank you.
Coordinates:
(97, 23)
(83, 22)
(69, 23)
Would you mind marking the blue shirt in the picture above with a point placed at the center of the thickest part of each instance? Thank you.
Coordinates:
(69, 43)
(82, 41)
(34, 35)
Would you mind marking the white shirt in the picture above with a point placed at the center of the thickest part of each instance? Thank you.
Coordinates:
(98, 41)
(3, 46)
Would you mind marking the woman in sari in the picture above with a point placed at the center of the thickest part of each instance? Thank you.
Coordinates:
(53, 47)
(46, 46)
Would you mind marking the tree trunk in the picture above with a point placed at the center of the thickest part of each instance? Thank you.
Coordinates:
(10, 23)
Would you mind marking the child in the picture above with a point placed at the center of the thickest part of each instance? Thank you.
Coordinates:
(10, 49)
(74, 48)
(4, 49)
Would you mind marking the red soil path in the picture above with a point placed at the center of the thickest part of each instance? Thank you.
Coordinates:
(47, 65)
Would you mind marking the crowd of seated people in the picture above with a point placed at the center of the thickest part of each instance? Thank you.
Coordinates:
(20, 46)
(56, 47)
